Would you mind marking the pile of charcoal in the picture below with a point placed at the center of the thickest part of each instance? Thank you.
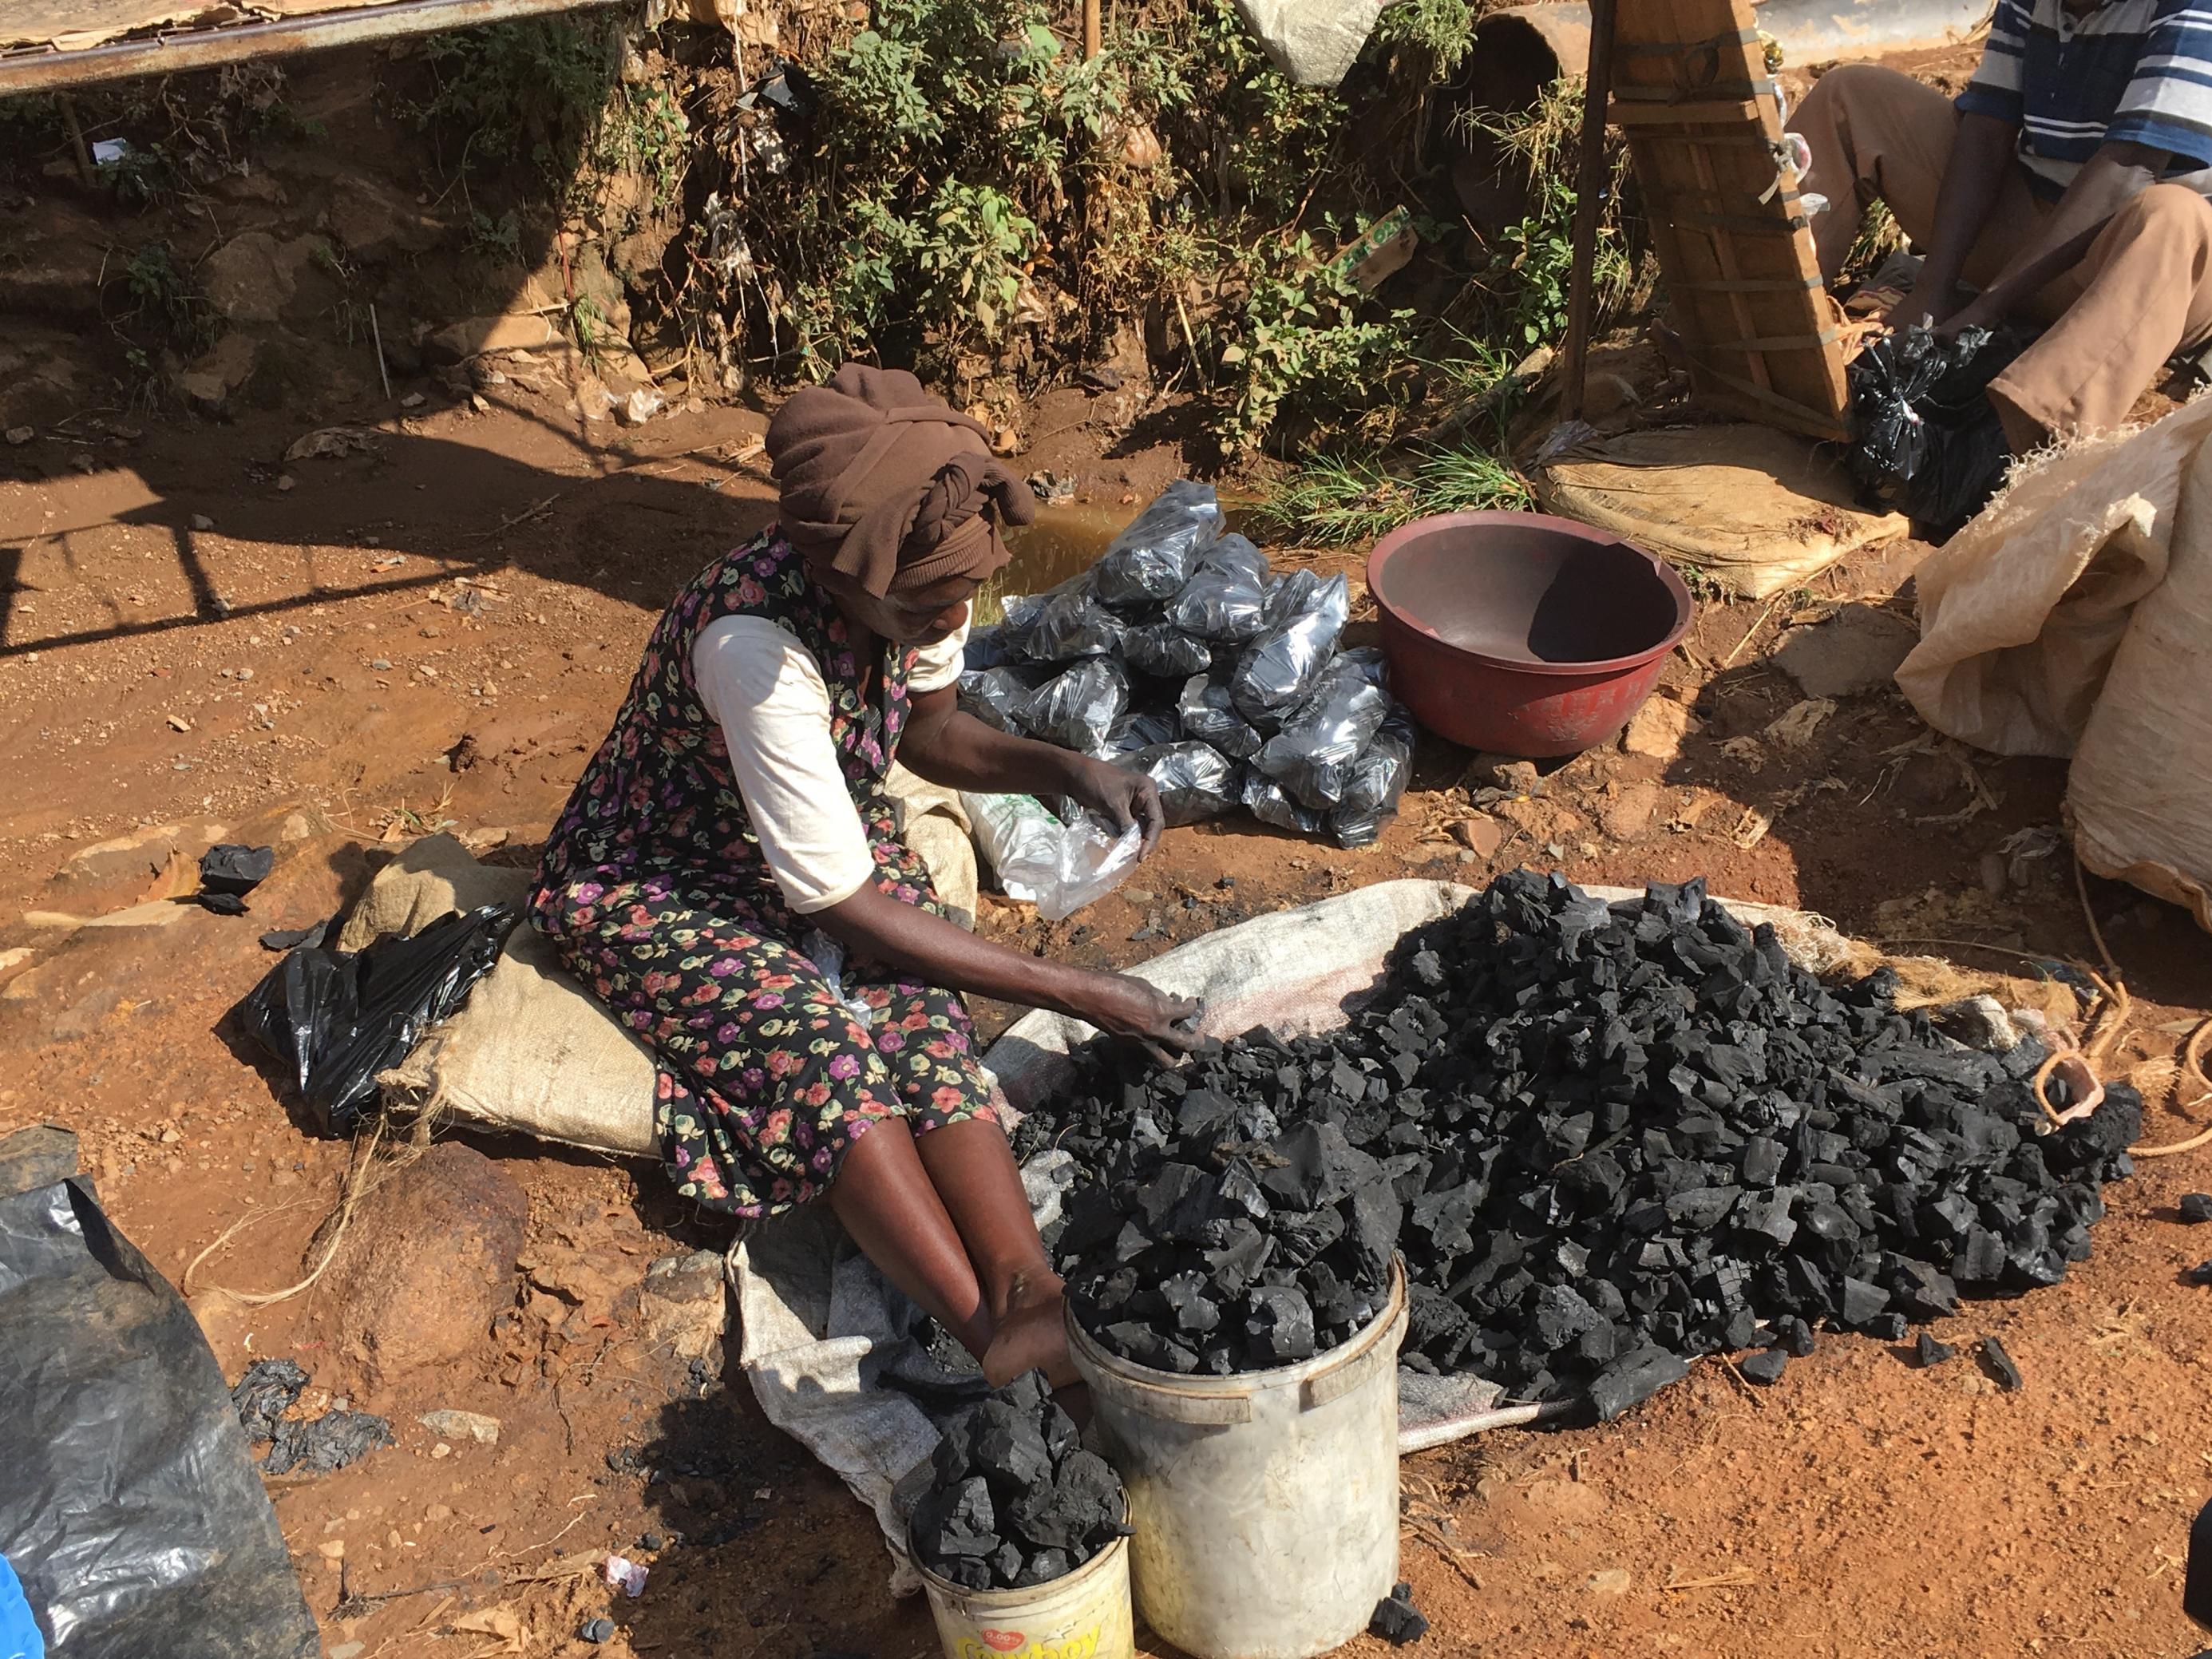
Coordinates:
(1181, 655)
(1013, 1500)
(1610, 1138)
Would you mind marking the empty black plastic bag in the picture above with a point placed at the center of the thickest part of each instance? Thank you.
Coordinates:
(336, 1019)
(1377, 780)
(1195, 779)
(1164, 650)
(1312, 756)
(1209, 715)
(131, 1511)
(1278, 668)
(1155, 555)
(1929, 443)
(1077, 708)
(1226, 597)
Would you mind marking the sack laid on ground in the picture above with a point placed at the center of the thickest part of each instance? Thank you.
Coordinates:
(1755, 509)
(2021, 611)
(1929, 442)
(2139, 796)
(131, 1511)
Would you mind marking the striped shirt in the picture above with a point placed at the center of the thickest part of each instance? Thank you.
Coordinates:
(2133, 71)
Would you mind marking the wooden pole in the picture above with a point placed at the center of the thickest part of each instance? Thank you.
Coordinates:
(1093, 35)
(1590, 182)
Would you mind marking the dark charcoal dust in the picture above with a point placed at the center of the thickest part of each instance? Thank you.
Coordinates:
(1396, 1619)
(1606, 1138)
(1014, 1500)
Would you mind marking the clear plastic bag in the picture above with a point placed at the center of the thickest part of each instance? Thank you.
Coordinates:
(1059, 867)
(1209, 716)
(1265, 799)
(998, 696)
(1076, 709)
(1378, 779)
(1226, 597)
(1278, 668)
(1156, 555)
(1069, 623)
(1143, 730)
(1195, 779)
(1164, 650)
(1312, 756)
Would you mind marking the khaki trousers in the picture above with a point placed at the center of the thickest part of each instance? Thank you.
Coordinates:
(2142, 293)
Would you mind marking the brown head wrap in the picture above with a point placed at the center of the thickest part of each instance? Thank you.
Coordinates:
(886, 485)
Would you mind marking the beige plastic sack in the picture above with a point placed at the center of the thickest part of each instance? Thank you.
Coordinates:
(2021, 611)
(531, 1050)
(1755, 509)
(2139, 796)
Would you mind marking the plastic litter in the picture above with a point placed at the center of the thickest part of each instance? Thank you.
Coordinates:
(1195, 779)
(1226, 597)
(627, 1575)
(1929, 443)
(337, 1019)
(1156, 553)
(1078, 709)
(131, 1511)
(319, 1445)
(1059, 867)
(1378, 779)
(1209, 715)
(1278, 668)
(1165, 650)
(1312, 757)
(827, 955)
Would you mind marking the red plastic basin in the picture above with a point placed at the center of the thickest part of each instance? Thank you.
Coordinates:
(1521, 633)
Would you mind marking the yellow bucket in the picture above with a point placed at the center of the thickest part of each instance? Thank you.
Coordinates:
(1084, 1614)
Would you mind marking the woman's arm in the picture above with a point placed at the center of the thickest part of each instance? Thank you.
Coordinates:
(872, 923)
(947, 745)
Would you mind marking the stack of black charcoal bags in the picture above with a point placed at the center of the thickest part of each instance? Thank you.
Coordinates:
(1606, 1138)
(1180, 655)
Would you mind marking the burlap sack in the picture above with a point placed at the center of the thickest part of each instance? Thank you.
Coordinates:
(429, 878)
(2021, 611)
(2139, 797)
(1755, 509)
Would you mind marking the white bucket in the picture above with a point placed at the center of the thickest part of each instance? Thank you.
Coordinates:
(1265, 1504)
(1084, 1614)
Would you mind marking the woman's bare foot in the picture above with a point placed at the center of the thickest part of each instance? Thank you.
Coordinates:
(1031, 1334)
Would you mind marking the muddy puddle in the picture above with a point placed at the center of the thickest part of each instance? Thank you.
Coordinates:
(1063, 542)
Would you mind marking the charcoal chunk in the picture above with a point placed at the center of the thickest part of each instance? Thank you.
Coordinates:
(1928, 1352)
(1633, 1378)
(2000, 1366)
(2196, 1208)
(1765, 1366)
(1395, 1619)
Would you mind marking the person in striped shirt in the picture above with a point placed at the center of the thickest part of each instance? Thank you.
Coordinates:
(2066, 187)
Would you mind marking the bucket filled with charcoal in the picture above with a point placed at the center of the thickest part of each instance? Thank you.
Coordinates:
(1020, 1536)
(1236, 1309)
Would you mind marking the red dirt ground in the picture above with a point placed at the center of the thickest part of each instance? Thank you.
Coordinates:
(438, 631)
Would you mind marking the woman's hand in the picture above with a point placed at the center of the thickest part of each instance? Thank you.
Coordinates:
(1123, 1006)
(1123, 798)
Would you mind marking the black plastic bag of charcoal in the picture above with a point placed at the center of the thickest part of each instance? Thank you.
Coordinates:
(1164, 650)
(1209, 715)
(997, 695)
(1156, 555)
(1195, 779)
(1013, 1500)
(131, 1510)
(336, 1019)
(1066, 624)
(1376, 781)
(1929, 440)
(1312, 755)
(1226, 597)
(1622, 1135)
(1278, 668)
(1265, 799)
(1078, 707)
(1138, 731)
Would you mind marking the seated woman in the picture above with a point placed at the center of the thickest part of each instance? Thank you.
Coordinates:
(737, 805)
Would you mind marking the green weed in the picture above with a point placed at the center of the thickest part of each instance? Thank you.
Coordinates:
(1332, 500)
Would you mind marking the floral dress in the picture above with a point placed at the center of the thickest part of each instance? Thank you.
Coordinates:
(655, 892)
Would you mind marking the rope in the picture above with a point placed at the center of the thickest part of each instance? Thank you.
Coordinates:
(363, 1176)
